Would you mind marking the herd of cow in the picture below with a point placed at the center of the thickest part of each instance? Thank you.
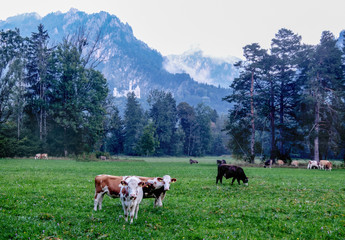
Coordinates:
(132, 189)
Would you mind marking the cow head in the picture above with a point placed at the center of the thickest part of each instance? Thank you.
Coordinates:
(133, 186)
(166, 180)
(246, 181)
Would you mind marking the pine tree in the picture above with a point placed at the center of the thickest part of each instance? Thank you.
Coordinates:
(115, 133)
(244, 112)
(164, 116)
(285, 49)
(133, 125)
(37, 78)
(322, 93)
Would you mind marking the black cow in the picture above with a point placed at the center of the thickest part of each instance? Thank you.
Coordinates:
(219, 162)
(231, 171)
(191, 161)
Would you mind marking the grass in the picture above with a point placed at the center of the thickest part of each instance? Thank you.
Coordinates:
(53, 199)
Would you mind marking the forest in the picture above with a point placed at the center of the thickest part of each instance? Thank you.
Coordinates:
(54, 101)
(287, 102)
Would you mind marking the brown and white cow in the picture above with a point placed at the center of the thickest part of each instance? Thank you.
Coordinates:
(131, 194)
(313, 164)
(294, 163)
(157, 188)
(325, 164)
(41, 156)
(106, 184)
(280, 162)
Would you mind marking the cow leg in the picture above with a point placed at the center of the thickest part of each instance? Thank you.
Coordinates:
(162, 197)
(136, 211)
(132, 212)
(98, 201)
(233, 180)
(125, 212)
(156, 202)
(220, 178)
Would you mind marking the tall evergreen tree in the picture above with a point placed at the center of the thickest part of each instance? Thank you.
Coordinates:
(115, 133)
(285, 48)
(323, 92)
(187, 120)
(163, 113)
(244, 97)
(148, 141)
(38, 56)
(133, 125)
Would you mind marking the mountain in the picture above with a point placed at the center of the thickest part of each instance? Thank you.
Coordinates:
(128, 63)
(203, 69)
(341, 39)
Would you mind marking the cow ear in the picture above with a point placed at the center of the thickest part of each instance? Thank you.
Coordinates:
(124, 183)
(141, 184)
(147, 184)
(173, 180)
(159, 179)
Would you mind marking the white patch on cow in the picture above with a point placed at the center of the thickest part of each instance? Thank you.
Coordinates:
(131, 194)
(312, 164)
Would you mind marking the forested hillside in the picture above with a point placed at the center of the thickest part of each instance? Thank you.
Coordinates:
(126, 62)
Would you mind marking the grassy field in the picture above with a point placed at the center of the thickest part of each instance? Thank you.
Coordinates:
(53, 199)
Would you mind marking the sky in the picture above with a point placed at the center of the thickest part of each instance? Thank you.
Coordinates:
(220, 28)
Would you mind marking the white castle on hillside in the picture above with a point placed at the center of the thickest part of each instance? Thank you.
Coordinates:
(124, 93)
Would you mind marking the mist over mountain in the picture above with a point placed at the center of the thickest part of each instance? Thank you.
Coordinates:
(203, 69)
(130, 64)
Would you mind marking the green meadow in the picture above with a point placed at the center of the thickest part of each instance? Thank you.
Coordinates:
(53, 199)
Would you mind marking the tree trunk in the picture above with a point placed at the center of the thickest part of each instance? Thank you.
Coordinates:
(317, 128)
(281, 119)
(252, 142)
(272, 123)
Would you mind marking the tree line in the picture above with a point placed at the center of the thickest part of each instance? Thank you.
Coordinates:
(52, 99)
(289, 100)
(164, 129)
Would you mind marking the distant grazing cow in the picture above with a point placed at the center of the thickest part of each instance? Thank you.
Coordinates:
(41, 156)
(219, 162)
(157, 188)
(131, 194)
(191, 161)
(231, 171)
(294, 163)
(268, 163)
(103, 158)
(280, 162)
(325, 164)
(313, 164)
